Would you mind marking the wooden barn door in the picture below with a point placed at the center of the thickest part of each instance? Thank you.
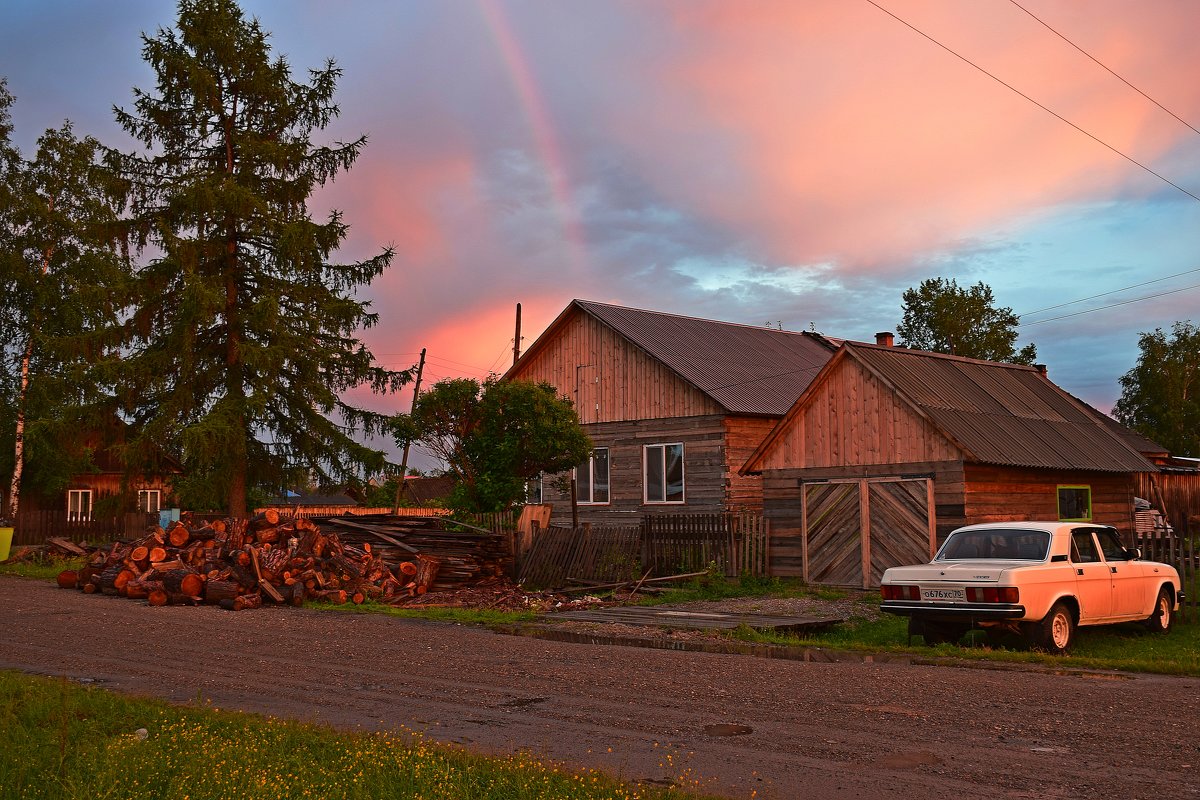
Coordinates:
(855, 529)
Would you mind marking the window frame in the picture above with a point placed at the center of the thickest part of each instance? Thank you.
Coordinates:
(590, 483)
(147, 493)
(1087, 509)
(75, 510)
(662, 449)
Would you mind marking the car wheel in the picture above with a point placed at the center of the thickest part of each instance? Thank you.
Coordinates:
(1056, 631)
(1164, 613)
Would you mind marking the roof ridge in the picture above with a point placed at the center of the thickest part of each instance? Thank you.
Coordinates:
(587, 303)
(912, 351)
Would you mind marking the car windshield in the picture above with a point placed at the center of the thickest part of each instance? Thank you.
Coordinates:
(996, 543)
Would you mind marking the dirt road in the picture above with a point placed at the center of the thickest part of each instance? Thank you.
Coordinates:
(740, 724)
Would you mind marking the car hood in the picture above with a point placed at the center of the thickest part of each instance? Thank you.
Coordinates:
(974, 571)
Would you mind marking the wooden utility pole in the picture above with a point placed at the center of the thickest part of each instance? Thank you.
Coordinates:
(407, 443)
(517, 337)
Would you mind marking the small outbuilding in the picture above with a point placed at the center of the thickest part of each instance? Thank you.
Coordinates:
(889, 449)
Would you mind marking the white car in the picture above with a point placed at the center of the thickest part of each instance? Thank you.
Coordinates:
(1038, 579)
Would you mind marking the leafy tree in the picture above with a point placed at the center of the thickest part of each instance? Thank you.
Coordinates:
(495, 436)
(244, 334)
(1160, 396)
(60, 283)
(941, 316)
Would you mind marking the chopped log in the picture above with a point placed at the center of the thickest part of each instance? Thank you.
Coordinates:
(269, 518)
(158, 597)
(136, 590)
(406, 568)
(335, 596)
(216, 591)
(181, 599)
(167, 566)
(358, 598)
(157, 554)
(139, 553)
(182, 581)
(427, 570)
(67, 579)
(242, 602)
(297, 595)
(178, 534)
(89, 588)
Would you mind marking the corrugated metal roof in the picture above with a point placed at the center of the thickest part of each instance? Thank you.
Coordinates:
(1003, 414)
(744, 368)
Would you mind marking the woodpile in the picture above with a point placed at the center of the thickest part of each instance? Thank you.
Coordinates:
(239, 564)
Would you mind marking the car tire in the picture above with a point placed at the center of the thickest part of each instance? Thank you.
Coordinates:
(1164, 613)
(1056, 631)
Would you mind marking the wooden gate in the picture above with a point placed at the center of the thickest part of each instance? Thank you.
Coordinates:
(855, 529)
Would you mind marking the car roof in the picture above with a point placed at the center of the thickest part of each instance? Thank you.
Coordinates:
(1050, 526)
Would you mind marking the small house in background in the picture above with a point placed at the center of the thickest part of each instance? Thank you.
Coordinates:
(889, 449)
(425, 492)
(104, 489)
(312, 504)
(673, 404)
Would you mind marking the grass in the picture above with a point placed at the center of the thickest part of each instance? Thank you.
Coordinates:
(66, 741)
(47, 569)
(461, 616)
(1128, 647)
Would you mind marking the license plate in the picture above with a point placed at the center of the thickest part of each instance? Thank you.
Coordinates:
(943, 594)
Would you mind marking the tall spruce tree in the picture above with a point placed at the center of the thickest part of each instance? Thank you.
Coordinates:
(61, 282)
(244, 334)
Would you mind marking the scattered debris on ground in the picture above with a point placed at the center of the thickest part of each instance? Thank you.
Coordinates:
(53, 550)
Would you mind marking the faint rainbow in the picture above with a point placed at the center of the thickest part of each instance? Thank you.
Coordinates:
(520, 74)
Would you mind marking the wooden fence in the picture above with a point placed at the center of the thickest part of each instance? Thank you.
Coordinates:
(661, 545)
(35, 527)
(338, 511)
(1181, 553)
(736, 543)
(559, 555)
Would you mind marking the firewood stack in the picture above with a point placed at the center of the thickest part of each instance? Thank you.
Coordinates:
(239, 564)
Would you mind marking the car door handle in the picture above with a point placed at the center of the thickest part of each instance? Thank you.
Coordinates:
(1113, 570)
(1079, 572)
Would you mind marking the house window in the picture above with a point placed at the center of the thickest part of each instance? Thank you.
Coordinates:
(591, 479)
(150, 500)
(79, 505)
(1075, 503)
(533, 491)
(662, 469)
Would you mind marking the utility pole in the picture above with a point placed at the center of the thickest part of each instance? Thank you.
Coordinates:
(517, 337)
(404, 457)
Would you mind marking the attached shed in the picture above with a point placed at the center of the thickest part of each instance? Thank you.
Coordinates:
(890, 449)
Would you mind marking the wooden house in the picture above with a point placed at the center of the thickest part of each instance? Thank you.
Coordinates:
(673, 404)
(105, 489)
(889, 449)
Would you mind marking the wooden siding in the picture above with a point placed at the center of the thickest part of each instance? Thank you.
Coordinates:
(1001, 494)
(742, 436)
(704, 470)
(1177, 495)
(852, 418)
(104, 486)
(609, 379)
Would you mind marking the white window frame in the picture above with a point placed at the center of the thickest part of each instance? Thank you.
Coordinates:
(661, 458)
(77, 509)
(146, 494)
(535, 491)
(589, 480)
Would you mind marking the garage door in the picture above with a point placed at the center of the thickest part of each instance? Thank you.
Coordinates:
(855, 529)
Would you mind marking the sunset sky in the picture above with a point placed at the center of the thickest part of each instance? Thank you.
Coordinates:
(799, 163)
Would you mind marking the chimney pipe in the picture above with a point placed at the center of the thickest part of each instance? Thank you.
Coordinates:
(884, 339)
(1041, 368)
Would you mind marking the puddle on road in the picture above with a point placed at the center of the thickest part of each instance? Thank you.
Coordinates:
(522, 702)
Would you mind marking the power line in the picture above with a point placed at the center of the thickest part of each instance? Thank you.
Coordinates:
(1102, 64)
(1053, 113)
(1112, 305)
(1105, 294)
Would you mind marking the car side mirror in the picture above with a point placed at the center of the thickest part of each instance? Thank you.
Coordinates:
(1132, 554)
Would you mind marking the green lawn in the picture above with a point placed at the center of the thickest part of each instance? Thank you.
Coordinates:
(62, 740)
